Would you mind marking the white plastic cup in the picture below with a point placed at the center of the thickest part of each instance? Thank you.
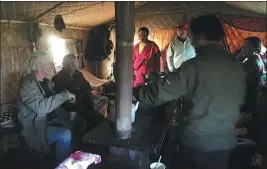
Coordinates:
(134, 109)
(157, 165)
(73, 115)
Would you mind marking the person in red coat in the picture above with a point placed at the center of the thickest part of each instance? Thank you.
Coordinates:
(146, 57)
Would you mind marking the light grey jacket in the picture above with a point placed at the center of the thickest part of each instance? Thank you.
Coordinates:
(215, 82)
(179, 52)
(33, 107)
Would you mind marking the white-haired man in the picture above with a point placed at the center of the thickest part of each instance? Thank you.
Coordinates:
(36, 100)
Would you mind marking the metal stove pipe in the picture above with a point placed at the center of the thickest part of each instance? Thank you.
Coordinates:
(124, 14)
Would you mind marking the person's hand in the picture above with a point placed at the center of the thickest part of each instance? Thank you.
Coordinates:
(71, 97)
(94, 92)
(242, 131)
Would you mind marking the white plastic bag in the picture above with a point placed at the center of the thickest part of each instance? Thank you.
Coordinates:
(79, 160)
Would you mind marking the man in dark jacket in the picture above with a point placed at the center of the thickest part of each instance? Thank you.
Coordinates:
(89, 104)
(215, 82)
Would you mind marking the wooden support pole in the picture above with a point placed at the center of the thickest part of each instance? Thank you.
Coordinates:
(124, 14)
(112, 19)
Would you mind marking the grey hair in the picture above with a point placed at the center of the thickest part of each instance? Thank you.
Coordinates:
(68, 57)
(37, 58)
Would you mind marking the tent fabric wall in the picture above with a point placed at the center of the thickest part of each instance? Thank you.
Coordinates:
(238, 28)
(164, 35)
(235, 37)
(163, 39)
(161, 17)
(15, 49)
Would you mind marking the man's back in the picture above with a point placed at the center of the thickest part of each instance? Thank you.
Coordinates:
(215, 82)
(220, 89)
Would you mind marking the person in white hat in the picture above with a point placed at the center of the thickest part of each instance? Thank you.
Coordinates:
(180, 49)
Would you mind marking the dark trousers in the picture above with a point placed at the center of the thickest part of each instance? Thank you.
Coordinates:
(205, 160)
(90, 115)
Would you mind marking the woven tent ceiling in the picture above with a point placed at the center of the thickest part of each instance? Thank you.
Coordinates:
(85, 14)
(259, 7)
(75, 14)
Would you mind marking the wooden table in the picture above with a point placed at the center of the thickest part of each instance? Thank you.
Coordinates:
(151, 129)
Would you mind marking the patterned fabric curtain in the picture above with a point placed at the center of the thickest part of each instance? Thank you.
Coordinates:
(237, 28)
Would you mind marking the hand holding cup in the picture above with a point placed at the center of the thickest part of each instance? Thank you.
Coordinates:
(71, 97)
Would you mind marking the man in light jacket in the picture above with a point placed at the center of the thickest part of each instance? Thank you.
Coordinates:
(36, 101)
(180, 49)
(215, 82)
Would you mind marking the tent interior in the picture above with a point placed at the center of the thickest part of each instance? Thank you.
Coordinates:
(28, 26)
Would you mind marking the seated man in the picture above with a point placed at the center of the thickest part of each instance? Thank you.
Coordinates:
(36, 100)
(89, 104)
